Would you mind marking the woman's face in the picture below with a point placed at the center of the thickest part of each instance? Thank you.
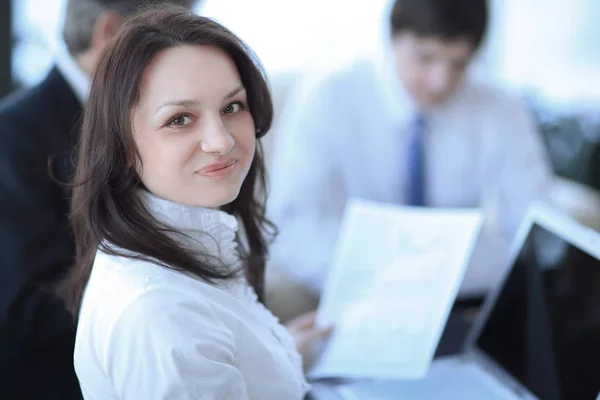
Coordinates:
(192, 127)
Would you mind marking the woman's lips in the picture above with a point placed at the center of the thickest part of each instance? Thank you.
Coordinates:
(218, 170)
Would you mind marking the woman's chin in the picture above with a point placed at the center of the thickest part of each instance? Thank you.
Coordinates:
(216, 200)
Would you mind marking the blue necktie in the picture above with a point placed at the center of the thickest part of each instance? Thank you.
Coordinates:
(415, 189)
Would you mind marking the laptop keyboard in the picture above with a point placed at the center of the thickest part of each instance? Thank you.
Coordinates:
(461, 382)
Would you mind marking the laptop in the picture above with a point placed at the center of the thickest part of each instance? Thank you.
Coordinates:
(538, 333)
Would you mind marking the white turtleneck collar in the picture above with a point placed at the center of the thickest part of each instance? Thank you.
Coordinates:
(214, 229)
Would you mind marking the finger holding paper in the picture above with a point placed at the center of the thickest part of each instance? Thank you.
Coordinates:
(308, 335)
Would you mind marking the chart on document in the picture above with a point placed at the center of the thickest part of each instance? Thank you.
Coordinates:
(395, 275)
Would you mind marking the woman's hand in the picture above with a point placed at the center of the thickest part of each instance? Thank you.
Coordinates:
(307, 335)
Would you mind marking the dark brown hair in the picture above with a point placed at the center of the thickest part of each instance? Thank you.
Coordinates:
(444, 19)
(108, 212)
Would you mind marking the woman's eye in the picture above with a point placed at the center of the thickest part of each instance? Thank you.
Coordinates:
(232, 108)
(180, 120)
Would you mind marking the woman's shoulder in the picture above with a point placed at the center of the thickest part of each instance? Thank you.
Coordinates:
(118, 282)
(133, 303)
(130, 274)
(124, 291)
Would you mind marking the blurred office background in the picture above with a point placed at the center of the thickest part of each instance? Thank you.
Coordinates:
(546, 50)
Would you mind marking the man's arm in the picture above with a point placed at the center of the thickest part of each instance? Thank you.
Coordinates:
(36, 247)
(517, 173)
(524, 173)
(308, 194)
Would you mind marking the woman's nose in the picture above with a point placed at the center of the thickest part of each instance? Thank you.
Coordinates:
(215, 138)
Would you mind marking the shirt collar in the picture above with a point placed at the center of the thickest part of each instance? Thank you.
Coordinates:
(77, 79)
(188, 218)
(213, 229)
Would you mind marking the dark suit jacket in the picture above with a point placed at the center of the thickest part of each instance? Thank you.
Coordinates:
(36, 245)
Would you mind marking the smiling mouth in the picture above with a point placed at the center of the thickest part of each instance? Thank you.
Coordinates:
(218, 171)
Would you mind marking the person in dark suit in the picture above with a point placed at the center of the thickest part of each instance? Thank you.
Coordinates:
(39, 129)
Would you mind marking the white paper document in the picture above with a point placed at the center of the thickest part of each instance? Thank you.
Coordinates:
(395, 275)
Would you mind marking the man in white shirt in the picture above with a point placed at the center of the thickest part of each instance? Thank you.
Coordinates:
(36, 245)
(407, 127)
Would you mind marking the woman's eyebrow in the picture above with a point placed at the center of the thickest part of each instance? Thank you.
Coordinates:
(235, 91)
(180, 103)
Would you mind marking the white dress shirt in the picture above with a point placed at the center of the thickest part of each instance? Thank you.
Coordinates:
(148, 332)
(77, 79)
(345, 135)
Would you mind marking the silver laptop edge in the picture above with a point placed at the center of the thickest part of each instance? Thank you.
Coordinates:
(548, 218)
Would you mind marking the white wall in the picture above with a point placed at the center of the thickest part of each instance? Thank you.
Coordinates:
(289, 35)
(553, 47)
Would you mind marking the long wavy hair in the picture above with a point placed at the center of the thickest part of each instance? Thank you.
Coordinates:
(107, 209)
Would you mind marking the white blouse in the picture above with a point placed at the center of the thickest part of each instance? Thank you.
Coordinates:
(148, 332)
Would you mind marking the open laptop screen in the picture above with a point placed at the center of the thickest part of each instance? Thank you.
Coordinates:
(545, 326)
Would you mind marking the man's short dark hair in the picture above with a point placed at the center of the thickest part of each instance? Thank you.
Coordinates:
(444, 19)
(81, 17)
